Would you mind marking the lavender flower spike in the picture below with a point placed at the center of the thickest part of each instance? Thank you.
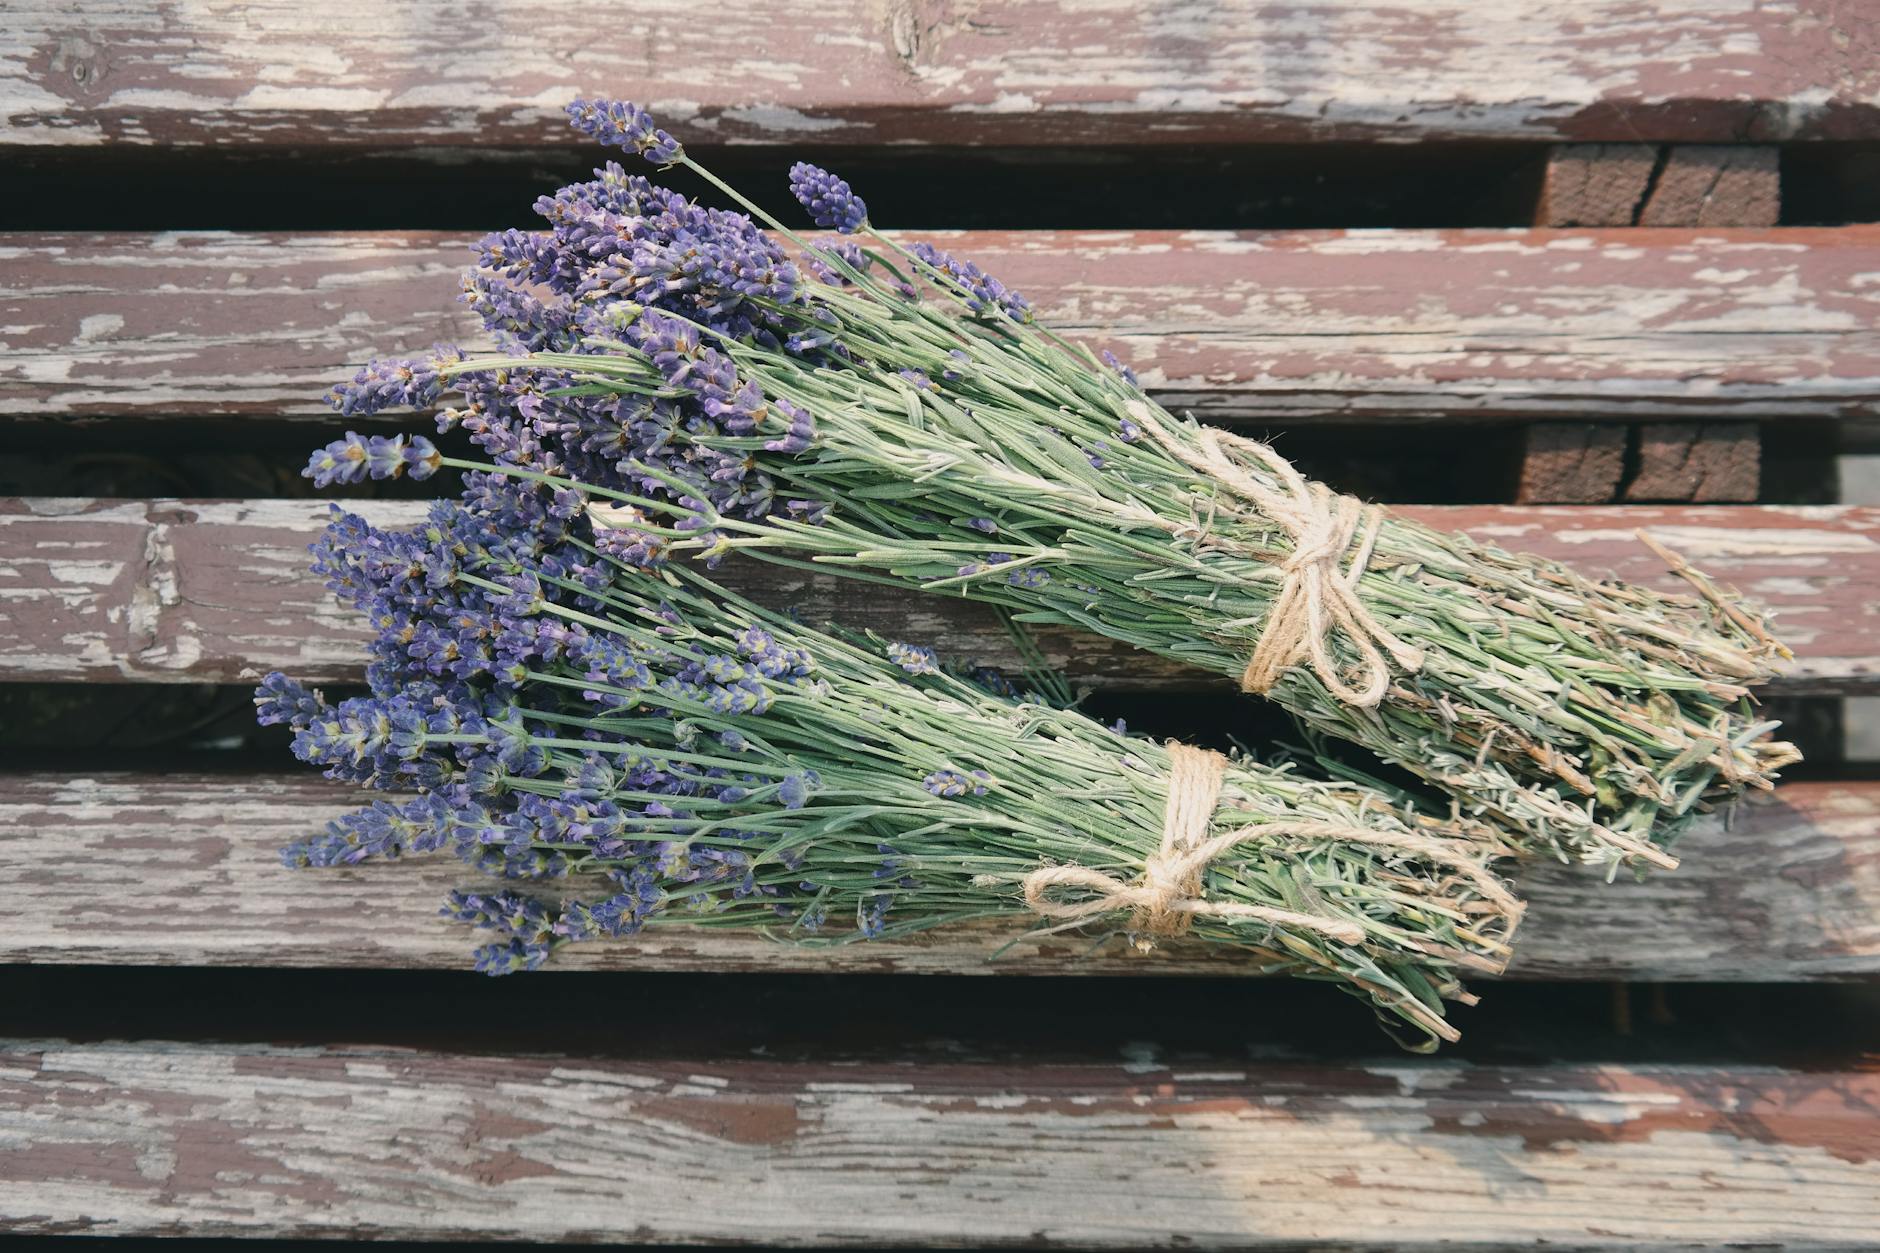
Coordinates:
(357, 458)
(624, 124)
(830, 200)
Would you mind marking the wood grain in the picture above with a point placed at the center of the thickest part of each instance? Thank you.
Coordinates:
(1595, 184)
(182, 870)
(1571, 463)
(1715, 185)
(382, 1143)
(185, 591)
(1707, 462)
(1027, 72)
(1268, 328)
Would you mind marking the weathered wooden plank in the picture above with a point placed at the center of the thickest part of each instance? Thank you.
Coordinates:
(1030, 72)
(387, 1143)
(219, 591)
(1270, 327)
(139, 869)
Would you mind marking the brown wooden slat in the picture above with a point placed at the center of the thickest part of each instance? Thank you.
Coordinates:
(1571, 463)
(129, 869)
(1715, 185)
(1676, 185)
(219, 591)
(1661, 185)
(1031, 72)
(1267, 327)
(382, 1143)
(1585, 462)
(1708, 462)
(1595, 184)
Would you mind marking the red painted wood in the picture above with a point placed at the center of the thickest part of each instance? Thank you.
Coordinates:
(1267, 327)
(207, 591)
(183, 870)
(929, 1148)
(1024, 72)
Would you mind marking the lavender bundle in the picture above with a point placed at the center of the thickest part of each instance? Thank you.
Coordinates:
(893, 412)
(633, 749)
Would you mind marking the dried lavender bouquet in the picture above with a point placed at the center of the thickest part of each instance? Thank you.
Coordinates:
(636, 749)
(899, 416)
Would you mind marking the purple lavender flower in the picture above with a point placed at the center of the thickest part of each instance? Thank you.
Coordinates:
(357, 458)
(848, 252)
(871, 918)
(1129, 375)
(510, 957)
(383, 384)
(794, 791)
(913, 658)
(954, 783)
(829, 200)
(421, 457)
(992, 680)
(623, 124)
(280, 699)
(983, 292)
(799, 436)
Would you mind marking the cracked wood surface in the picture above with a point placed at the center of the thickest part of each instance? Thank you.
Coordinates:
(1025, 72)
(183, 870)
(219, 591)
(1268, 327)
(376, 1142)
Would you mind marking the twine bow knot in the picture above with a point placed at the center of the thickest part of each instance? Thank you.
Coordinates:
(1168, 897)
(1314, 595)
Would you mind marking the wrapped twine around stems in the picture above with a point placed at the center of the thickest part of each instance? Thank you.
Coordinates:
(1167, 898)
(1314, 595)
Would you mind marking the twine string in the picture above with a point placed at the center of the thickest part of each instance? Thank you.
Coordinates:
(1166, 900)
(1315, 596)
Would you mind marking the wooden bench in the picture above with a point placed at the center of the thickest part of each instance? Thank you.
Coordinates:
(201, 1043)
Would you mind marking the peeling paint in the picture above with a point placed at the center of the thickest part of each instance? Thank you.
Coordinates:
(1277, 326)
(987, 1152)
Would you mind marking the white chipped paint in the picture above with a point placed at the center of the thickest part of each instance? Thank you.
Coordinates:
(99, 326)
(913, 1170)
(1004, 102)
(859, 1087)
(1415, 1080)
(150, 832)
(84, 573)
(1404, 69)
(1784, 587)
(1736, 542)
(783, 118)
(1600, 1108)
